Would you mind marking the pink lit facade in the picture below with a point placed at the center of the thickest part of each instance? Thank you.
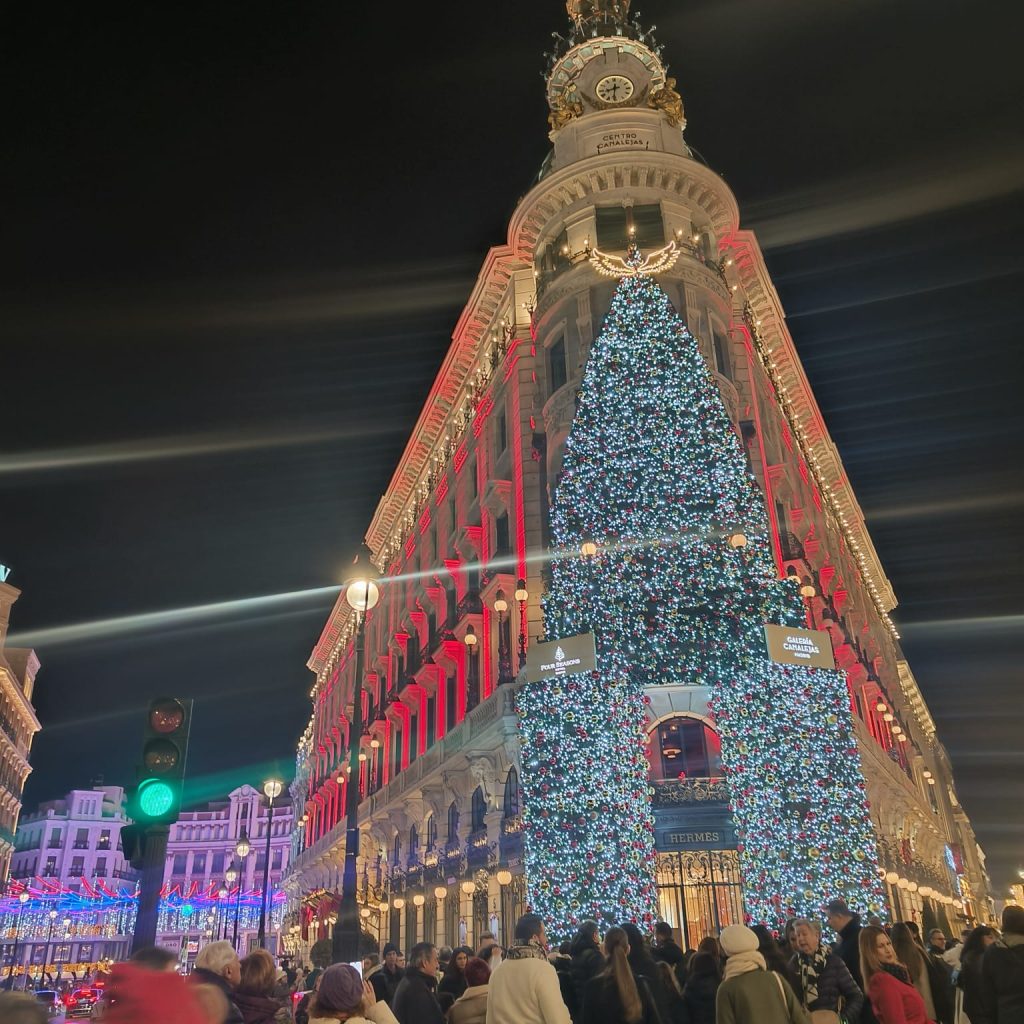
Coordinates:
(465, 518)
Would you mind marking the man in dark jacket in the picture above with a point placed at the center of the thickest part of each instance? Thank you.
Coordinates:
(846, 924)
(666, 950)
(217, 964)
(385, 981)
(415, 999)
(1002, 970)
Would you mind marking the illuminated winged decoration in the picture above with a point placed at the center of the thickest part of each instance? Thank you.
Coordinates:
(635, 264)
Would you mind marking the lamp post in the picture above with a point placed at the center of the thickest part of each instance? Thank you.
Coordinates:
(473, 678)
(521, 595)
(504, 640)
(272, 788)
(362, 594)
(242, 848)
(49, 939)
(222, 895)
(23, 898)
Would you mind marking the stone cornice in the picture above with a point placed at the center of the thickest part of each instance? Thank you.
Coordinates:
(808, 422)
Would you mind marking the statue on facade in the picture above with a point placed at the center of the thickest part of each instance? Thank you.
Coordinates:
(668, 100)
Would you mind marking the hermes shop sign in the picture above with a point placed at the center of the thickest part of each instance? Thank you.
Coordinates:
(561, 657)
(791, 646)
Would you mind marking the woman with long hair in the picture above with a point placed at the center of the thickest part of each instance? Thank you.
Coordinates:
(894, 999)
(929, 978)
(255, 993)
(454, 983)
(616, 995)
(969, 980)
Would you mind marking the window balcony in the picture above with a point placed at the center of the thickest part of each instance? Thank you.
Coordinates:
(674, 792)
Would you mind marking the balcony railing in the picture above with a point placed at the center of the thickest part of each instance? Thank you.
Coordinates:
(673, 792)
(469, 605)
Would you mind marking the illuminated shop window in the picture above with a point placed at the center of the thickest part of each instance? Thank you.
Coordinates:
(685, 748)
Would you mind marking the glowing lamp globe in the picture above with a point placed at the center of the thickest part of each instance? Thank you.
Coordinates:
(522, 594)
(230, 876)
(374, 744)
(737, 540)
(500, 604)
(24, 897)
(807, 589)
(156, 798)
(243, 846)
(468, 887)
(273, 788)
(881, 707)
(440, 892)
(362, 593)
(364, 912)
(892, 877)
(903, 883)
(504, 877)
(588, 548)
(384, 905)
(419, 899)
(888, 717)
(399, 903)
(902, 737)
(926, 773)
(470, 638)
(912, 887)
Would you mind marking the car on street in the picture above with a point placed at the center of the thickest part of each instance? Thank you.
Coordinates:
(80, 1001)
(50, 1000)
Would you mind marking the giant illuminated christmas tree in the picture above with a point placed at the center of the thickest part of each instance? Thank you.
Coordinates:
(655, 473)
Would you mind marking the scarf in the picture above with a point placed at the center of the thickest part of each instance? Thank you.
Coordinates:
(898, 971)
(529, 951)
(743, 963)
(812, 966)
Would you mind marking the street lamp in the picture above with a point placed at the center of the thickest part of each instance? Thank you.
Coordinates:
(23, 898)
(522, 595)
(272, 788)
(49, 939)
(470, 640)
(362, 594)
(504, 640)
(222, 895)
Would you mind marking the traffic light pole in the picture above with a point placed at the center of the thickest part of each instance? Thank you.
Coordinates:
(150, 884)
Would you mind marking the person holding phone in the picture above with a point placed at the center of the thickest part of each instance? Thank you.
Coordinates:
(343, 995)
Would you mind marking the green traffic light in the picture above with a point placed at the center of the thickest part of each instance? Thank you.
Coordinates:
(156, 798)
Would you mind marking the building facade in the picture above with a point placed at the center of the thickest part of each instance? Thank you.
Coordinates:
(80, 910)
(462, 532)
(18, 723)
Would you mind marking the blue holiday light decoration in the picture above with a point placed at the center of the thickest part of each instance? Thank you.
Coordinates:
(655, 473)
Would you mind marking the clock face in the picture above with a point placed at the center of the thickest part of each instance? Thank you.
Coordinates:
(614, 89)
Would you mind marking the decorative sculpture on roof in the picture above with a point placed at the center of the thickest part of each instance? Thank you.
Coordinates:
(668, 100)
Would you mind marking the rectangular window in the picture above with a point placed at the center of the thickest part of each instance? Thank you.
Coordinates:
(650, 228)
(55, 839)
(500, 432)
(613, 223)
(414, 737)
(217, 863)
(558, 372)
(396, 750)
(82, 839)
(77, 866)
(278, 856)
(101, 867)
(722, 360)
(199, 864)
(51, 867)
(178, 867)
(431, 719)
(104, 842)
(501, 537)
(612, 227)
(451, 699)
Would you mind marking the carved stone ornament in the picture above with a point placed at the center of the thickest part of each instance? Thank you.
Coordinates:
(567, 107)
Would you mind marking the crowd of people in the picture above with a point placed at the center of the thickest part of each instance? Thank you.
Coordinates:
(868, 975)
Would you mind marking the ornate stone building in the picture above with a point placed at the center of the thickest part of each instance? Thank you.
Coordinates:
(18, 723)
(461, 535)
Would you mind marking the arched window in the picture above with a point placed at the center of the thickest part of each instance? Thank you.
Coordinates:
(453, 823)
(431, 834)
(479, 809)
(397, 852)
(512, 801)
(414, 843)
(684, 747)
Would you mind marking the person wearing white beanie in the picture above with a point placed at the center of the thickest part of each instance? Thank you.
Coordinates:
(750, 993)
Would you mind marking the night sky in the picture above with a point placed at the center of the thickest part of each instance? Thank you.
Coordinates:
(236, 241)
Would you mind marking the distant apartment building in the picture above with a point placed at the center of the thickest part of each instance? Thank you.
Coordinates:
(82, 891)
(18, 723)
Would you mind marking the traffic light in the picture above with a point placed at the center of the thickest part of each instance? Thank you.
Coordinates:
(156, 799)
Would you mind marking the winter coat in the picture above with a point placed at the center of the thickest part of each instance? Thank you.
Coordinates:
(201, 976)
(525, 990)
(415, 1001)
(261, 1009)
(470, 1007)
(758, 997)
(587, 962)
(572, 996)
(894, 1001)
(1002, 972)
(601, 1003)
(669, 953)
(453, 984)
(385, 983)
(834, 982)
(699, 997)
(971, 983)
(940, 983)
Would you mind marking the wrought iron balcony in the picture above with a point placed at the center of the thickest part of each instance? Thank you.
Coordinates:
(673, 792)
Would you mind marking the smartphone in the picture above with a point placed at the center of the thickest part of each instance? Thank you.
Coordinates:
(358, 965)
